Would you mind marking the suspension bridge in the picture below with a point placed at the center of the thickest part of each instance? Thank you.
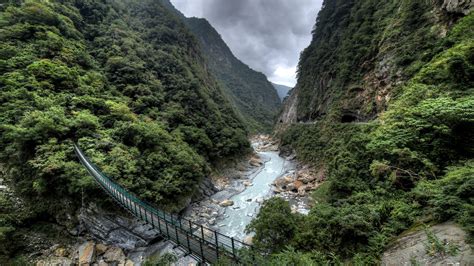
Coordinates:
(205, 244)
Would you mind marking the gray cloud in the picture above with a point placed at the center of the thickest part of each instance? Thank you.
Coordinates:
(268, 35)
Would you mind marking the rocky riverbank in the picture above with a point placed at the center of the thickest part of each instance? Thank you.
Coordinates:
(293, 184)
(107, 238)
(296, 187)
(228, 181)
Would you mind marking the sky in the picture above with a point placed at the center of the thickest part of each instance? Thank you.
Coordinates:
(267, 35)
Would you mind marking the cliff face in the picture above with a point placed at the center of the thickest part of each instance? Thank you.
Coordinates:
(384, 105)
(250, 91)
(363, 50)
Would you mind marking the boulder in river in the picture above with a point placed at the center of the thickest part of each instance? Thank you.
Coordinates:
(226, 203)
(306, 177)
(282, 182)
(255, 161)
(277, 190)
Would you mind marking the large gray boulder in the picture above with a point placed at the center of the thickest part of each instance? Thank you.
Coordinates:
(116, 230)
(416, 247)
(114, 254)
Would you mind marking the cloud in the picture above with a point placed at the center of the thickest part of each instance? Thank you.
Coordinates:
(268, 35)
(283, 75)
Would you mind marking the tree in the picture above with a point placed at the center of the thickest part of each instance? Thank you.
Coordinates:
(274, 226)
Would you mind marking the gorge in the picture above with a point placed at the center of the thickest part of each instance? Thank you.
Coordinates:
(367, 161)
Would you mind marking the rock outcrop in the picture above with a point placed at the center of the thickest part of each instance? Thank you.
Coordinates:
(255, 161)
(112, 239)
(415, 248)
(289, 114)
(458, 6)
(226, 203)
(116, 230)
(299, 183)
(114, 255)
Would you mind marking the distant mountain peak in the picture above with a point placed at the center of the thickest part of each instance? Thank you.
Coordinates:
(282, 90)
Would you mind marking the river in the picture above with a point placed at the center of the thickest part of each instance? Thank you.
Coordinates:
(247, 203)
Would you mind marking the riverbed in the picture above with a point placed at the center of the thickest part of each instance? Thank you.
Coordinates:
(247, 203)
(241, 188)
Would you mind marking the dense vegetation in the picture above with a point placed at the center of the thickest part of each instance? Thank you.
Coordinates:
(365, 46)
(413, 165)
(250, 91)
(126, 81)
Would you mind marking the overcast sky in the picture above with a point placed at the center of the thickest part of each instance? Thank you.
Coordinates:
(267, 35)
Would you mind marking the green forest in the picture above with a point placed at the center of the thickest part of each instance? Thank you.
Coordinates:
(410, 167)
(124, 80)
(384, 106)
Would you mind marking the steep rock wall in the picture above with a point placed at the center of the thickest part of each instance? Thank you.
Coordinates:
(355, 61)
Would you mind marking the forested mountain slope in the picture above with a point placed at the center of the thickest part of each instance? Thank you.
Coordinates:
(384, 106)
(282, 90)
(249, 90)
(127, 81)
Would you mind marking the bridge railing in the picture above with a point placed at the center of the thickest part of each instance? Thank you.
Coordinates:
(182, 231)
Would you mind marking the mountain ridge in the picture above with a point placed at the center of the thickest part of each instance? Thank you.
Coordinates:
(249, 90)
(282, 90)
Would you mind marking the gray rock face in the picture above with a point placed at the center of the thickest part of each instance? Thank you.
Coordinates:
(458, 6)
(415, 247)
(56, 261)
(206, 189)
(158, 249)
(127, 240)
(289, 114)
(117, 230)
(114, 254)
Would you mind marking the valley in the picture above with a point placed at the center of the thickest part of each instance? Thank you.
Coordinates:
(134, 133)
(237, 202)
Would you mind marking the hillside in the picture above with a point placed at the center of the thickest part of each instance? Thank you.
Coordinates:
(250, 91)
(127, 82)
(282, 90)
(383, 107)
